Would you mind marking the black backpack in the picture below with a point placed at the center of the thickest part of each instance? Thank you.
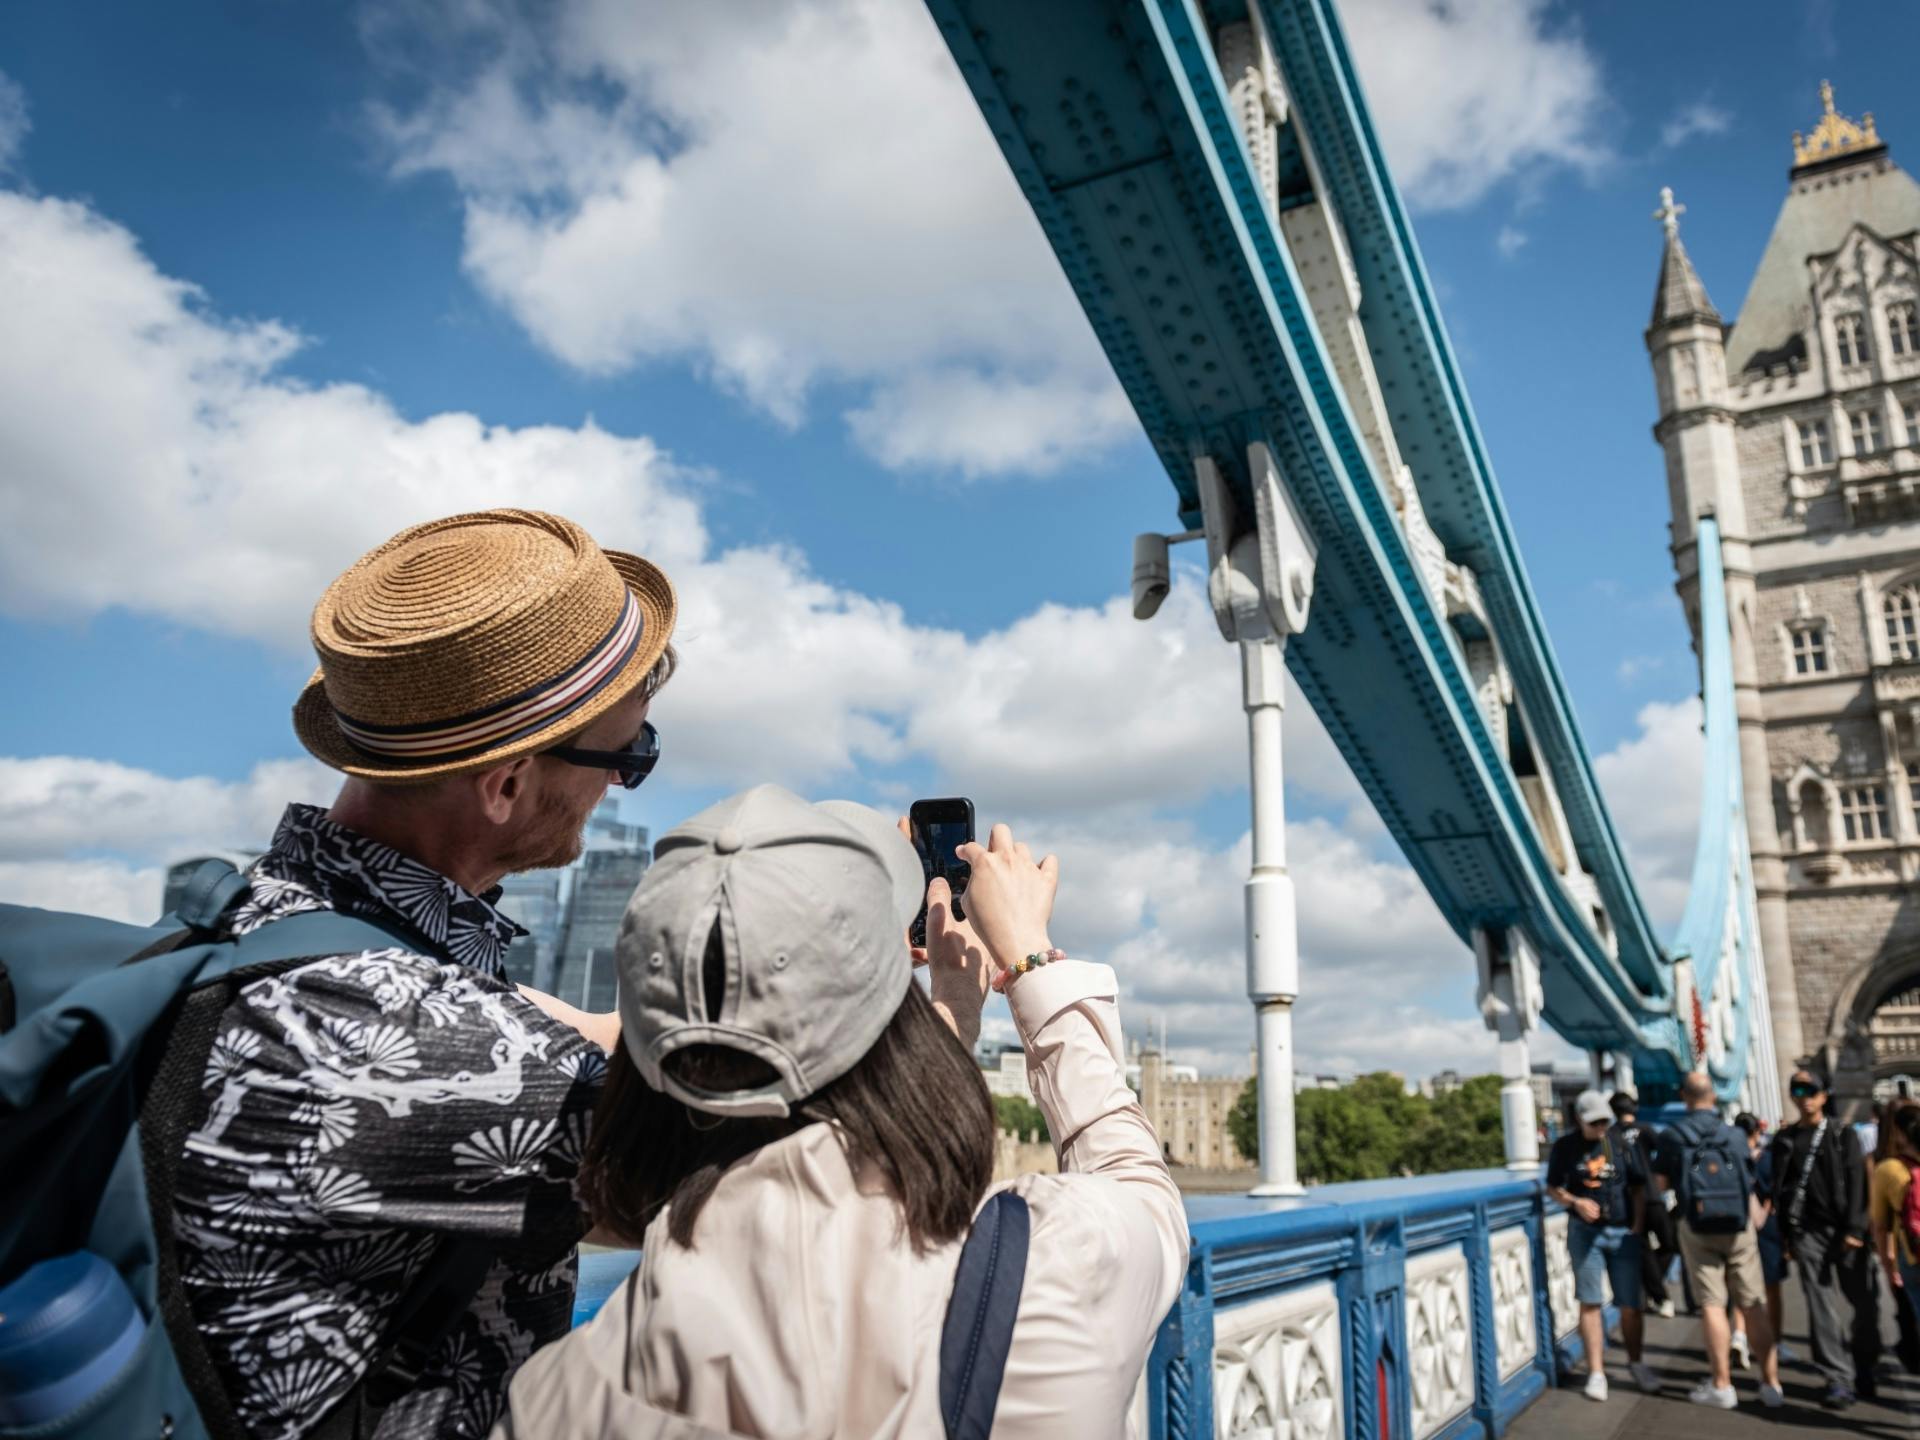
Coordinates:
(1713, 1186)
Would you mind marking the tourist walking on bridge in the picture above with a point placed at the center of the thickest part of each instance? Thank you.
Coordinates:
(1658, 1245)
(1773, 1260)
(1705, 1161)
(1893, 1208)
(1819, 1185)
(1602, 1181)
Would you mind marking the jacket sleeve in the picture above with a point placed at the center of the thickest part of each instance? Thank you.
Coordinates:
(1069, 1022)
(1853, 1193)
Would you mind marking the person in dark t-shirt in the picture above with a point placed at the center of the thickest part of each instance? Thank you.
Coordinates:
(1603, 1184)
(1658, 1246)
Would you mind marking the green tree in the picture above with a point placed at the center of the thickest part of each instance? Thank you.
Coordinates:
(1373, 1128)
(1243, 1121)
(1020, 1117)
(1463, 1132)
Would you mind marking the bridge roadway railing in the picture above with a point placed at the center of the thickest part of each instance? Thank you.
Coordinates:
(1416, 1308)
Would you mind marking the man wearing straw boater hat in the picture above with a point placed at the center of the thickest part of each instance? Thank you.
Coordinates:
(482, 680)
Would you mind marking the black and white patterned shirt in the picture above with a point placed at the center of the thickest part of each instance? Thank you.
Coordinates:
(359, 1108)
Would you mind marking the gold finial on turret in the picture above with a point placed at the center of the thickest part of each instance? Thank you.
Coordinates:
(1834, 135)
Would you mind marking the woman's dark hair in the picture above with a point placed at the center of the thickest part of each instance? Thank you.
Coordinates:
(914, 1110)
(1903, 1115)
(1747, 1123)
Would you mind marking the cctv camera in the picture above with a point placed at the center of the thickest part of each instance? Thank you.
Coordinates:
(1152, 575)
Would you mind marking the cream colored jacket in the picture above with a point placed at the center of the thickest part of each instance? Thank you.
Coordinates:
(803, 1312)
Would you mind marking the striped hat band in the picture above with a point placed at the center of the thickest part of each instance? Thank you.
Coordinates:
(510, 719)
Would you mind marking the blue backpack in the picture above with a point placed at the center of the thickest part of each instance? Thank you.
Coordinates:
(105, 1030)
(1713, 1179)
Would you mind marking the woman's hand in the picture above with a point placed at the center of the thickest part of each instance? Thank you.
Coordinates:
(1009, 898)
(958, 970)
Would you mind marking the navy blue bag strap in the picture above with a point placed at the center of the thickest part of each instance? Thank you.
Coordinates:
(978, 1333)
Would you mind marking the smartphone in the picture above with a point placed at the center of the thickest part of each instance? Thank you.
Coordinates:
(940, 828)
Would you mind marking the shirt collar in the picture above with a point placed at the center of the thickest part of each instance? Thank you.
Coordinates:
(353, 874)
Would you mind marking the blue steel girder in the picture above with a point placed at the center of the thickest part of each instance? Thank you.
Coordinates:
(1114, 120)
(1435, 425)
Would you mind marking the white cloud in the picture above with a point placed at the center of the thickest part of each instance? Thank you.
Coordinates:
(1701, 117)
(1510, 241)
(111, 889)
(141, 434)
(1167, 911)
(1468, 94)
(95, 836)
(14, 122)
(792, 194)
(1652, 785)
(137, 422)
(957, 418)
(787, 195)
(59, 805)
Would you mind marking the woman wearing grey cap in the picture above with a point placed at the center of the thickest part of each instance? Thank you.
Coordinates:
(800, 1145)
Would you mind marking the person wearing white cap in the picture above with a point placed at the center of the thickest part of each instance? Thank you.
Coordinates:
(1603, 1185)
(800, 1146)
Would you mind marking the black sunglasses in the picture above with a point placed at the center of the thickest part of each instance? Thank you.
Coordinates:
(632, 764)
(1803, 1089)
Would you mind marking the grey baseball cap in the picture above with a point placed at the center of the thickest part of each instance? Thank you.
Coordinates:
(1591, 1105)
(811, 904)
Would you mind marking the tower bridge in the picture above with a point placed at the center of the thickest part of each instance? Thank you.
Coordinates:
(1216, 193)
(1214, 188)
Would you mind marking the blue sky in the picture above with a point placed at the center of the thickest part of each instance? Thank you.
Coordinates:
(747, 287)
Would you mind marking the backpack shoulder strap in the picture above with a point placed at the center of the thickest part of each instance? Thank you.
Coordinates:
(978, 1333)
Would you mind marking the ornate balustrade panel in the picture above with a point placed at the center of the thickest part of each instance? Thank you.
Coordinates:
(1564, 1308)
(1277, 1367)
(1516, 1329)
(1439, 1338)
(1426, 1308)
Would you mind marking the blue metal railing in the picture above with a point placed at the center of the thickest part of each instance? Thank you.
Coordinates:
(1417, 1307)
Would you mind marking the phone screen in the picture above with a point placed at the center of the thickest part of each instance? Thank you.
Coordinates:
(938, 852)
(940, 828)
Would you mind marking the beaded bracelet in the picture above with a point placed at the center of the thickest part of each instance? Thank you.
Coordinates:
(1036, 960)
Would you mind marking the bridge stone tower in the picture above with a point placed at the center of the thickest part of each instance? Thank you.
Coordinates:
(1799, 428)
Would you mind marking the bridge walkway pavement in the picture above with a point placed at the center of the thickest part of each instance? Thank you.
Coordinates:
(1674, 1348)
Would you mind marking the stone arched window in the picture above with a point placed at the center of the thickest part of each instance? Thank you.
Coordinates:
(1900, 608)
(1903, 328)
(1811, 805)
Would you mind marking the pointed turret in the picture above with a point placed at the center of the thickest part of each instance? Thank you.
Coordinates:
(1679, 296)
(1686, 342)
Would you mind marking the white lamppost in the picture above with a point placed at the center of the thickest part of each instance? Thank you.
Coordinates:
(1510, 1001)
(1260, 583)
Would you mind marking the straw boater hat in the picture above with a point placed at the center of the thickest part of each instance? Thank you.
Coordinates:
(476, 639)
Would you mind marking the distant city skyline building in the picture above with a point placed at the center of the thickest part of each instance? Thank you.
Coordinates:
(537, 900)
(600, 884)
